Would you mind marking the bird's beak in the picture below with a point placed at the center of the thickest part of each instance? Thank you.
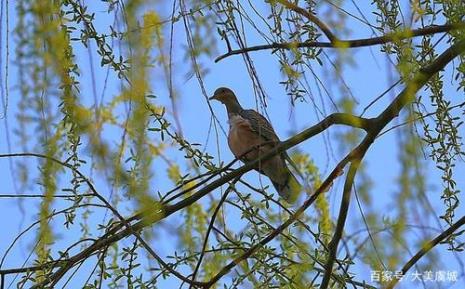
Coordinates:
(212, 97)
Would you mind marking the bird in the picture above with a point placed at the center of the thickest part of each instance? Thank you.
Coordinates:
(251, 136)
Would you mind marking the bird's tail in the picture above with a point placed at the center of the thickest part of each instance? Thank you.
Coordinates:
(289, 188)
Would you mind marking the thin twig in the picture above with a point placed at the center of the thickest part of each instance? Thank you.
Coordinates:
(310, 17)
(210, 226)
(42, 196)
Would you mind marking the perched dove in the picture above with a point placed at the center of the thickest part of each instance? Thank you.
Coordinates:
(247, 130)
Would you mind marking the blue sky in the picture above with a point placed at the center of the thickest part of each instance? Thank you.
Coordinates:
(368, 75)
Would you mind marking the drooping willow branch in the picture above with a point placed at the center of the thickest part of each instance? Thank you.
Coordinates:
(210, 227)
(390, 37)
(310, 17)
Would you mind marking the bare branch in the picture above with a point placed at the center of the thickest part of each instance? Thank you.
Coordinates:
(427, 247)
(390, 37)
(43, 196)
(343, 210)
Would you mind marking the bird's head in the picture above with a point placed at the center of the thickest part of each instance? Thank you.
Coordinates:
(224, 95)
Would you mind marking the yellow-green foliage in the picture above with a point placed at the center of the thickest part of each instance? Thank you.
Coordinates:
(119, 140)
(193, 229)
(135, 94)
(152, 28)
(299, 251)
(52, 42)
(307, 166)
(49, 172)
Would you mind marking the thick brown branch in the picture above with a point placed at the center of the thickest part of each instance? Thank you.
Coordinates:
(32, 268)
(390, 37)
(343, 211)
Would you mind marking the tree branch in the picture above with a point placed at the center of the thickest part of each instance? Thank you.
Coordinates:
(343, 210)
(426, 248)
(372, 126)
(310, 17)
(117, 233)
(323, 188)
(210, 227)
(390, 37)
(405, 97)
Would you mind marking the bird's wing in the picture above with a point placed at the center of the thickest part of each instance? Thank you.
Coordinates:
(259, 125)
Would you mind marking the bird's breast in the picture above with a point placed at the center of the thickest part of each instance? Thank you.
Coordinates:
(242, 139)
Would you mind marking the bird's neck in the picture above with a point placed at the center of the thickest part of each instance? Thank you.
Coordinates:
(233, 108)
